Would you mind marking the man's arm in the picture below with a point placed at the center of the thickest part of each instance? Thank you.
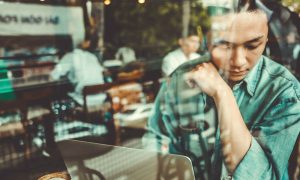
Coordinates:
(63, 67)
(263, 153)
(234, 135)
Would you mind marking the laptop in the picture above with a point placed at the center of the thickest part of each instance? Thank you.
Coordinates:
(85, 161)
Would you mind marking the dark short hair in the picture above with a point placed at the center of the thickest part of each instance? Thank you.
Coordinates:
(245, 5)
(191, 32)
(237, 6)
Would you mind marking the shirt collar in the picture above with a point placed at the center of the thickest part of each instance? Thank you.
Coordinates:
(251, 80)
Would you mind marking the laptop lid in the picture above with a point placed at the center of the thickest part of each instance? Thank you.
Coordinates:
(85, 160)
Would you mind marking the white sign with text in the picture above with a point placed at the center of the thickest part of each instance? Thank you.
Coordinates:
(31, 19)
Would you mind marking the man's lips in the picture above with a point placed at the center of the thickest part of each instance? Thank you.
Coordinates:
(238, 73)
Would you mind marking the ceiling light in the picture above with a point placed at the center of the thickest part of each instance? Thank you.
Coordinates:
(107, 2)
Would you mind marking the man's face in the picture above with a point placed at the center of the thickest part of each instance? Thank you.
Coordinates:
(239, 45)
(190, 44)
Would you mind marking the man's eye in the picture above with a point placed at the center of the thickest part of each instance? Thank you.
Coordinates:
(252, 46)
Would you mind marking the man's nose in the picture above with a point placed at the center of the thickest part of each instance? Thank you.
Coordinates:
(238, 57)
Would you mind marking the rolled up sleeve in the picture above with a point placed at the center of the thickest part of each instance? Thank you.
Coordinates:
(255, 164)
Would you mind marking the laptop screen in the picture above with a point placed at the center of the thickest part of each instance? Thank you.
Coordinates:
(86, 160)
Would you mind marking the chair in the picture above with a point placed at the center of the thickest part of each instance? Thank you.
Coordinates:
(93, 90)
(97, 89)
(85, 111)
(11, 134)
(16, 136)
(31, 108)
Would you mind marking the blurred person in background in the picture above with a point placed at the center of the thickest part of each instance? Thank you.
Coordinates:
(189, 46)
(82, 68)
(126, 55)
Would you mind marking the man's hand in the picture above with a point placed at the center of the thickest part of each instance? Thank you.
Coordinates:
(207, 78)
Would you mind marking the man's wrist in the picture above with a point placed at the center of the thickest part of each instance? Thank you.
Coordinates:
(223, 91)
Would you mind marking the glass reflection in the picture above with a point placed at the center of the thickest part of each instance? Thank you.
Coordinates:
(223, 47)
(237, 92)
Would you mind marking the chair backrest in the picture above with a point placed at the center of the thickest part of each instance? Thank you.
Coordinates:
(97, 89)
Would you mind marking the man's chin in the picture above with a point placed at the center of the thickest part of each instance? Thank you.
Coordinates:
(235, 79)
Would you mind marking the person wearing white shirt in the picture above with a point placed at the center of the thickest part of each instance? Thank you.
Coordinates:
(187, 51)
(125, 54)
(82, 68)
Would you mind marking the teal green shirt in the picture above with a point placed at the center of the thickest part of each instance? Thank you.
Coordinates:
(269, 101)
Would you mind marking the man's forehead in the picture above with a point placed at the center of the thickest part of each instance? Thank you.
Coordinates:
(239, 27)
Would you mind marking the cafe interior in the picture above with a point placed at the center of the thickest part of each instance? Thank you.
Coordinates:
(79, 85)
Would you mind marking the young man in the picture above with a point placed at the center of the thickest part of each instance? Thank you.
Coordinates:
(187, 51)
(257, 100)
